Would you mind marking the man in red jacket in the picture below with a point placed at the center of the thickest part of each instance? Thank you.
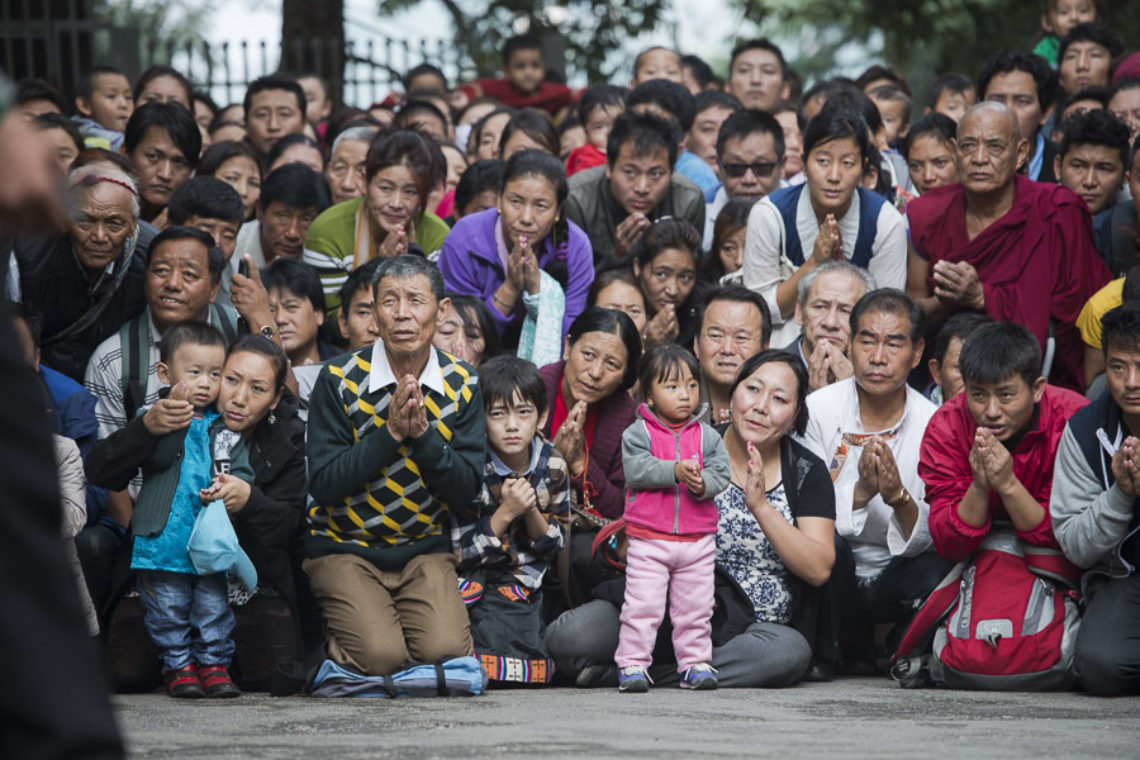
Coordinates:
(988, 453)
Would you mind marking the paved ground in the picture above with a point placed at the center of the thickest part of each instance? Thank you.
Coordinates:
(850, 718)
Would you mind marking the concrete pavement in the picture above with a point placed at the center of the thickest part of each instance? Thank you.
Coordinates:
(852, 718)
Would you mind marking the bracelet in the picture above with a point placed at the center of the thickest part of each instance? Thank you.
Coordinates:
(501, 302)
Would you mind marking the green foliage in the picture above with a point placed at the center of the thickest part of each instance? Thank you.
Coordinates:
(594, 31)
(164, 21)
(922, 38)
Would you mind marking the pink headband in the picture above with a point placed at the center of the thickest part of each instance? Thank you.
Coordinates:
(93, 179)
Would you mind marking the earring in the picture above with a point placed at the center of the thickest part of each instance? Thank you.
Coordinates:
(272, 417)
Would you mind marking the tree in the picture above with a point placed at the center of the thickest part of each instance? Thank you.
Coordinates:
(593, 31)
(922, 38)
(312, 39)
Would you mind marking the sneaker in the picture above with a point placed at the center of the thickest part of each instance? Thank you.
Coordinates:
(700, 677)
(633, 680)
(218, 683)
(184, 683)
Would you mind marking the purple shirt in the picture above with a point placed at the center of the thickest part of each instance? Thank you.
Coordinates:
(470, 263)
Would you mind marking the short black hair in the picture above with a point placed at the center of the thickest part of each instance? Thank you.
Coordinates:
(738, 294)
(647, 132)
(706, 99)
(412, 107)
(890, 301)
(296, 277)
(207, 197)
(760, 43)
(612, 322)
(889, 93)
(53, 120)
(34, 88)
(934, 124)
(421, 70)
(959, 326)
(854, 101)
(176, 120)
(358, 279)
(1120, 328)
(215, 259)
(1008, 61)
(84, 86)
(502, 376)
(747, 122)
(672, 97)
(1091, 31)
(647, 51)
(958, 84)
(288, 141)
(406, 266)
(825, 88)
(295, 185)
(1093, 92)
(535, 124)
(201, 96)
(222, 151)
(1096, 128)
(998, 351)
(274, 82)
(795, 364)
(477, 178)
(661, 363)
(520, 42)
(702, 72)
(600, 96)
(879, 71)
(192, 333)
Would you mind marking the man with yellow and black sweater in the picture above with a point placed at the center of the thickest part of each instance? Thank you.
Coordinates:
(396, 442)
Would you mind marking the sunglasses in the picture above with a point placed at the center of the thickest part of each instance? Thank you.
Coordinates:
(761, 169)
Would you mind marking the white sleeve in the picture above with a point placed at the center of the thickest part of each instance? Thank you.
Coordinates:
(763, 248)
(103, 379)
(888, 258)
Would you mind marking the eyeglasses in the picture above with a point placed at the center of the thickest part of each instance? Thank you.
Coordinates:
(761, 169)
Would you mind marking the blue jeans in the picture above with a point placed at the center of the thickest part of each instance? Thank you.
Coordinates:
(188, 617)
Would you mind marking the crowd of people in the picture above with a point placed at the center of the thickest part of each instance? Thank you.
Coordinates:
(699, 381)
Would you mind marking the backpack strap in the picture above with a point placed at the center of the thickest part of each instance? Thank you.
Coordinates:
(225, 320)
(786, 200)
(134, 342)
(870, 204)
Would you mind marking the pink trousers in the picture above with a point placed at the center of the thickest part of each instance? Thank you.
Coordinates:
(684, 570)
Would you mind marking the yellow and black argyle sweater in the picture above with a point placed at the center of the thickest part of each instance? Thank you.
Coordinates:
(377, 498)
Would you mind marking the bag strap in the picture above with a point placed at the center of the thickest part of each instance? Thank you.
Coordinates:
(134, 342)
(440, 679)
(225, 321)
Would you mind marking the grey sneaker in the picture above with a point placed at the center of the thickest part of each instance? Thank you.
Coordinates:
(700, 677)
(633, 680)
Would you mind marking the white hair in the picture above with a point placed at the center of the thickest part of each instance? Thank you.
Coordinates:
(86, 177)
(846, 267)
(362, 133)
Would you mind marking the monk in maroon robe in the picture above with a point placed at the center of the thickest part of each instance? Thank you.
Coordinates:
(1019, 250)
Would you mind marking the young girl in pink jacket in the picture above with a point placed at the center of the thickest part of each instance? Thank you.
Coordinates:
(674, 465)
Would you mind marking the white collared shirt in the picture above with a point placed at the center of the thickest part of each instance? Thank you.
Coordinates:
(873, 532)
(381, 374)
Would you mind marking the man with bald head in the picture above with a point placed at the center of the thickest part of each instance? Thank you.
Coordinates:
(87, 281)
(1019, 250)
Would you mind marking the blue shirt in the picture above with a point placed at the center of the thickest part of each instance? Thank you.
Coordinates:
(1038, 159)
(699, 172)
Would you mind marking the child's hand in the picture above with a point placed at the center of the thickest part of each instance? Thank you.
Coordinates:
(518, 497)
(171, 413)
(234, 492)
(693, 479)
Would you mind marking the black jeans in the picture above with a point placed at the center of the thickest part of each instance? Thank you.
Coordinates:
(1107, 660)
(893, 597)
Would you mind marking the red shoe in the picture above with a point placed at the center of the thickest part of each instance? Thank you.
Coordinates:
(218, 683)
(184, 683)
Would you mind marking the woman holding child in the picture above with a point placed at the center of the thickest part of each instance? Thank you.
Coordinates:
(774, 534)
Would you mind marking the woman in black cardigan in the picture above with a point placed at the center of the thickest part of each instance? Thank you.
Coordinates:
(268, 516)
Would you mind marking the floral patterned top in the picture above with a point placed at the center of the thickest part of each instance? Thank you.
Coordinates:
(745, 552)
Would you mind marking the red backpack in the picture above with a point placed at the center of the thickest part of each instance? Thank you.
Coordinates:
(1006, 619)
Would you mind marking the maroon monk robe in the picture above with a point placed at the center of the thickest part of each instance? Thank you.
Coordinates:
(1037, 264)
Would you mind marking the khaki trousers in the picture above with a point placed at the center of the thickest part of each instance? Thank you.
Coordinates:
(379, 620)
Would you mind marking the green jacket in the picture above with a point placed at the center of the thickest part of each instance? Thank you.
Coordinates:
(114, 460)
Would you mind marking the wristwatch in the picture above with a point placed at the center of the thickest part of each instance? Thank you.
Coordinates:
(903, 498)
(268, 331)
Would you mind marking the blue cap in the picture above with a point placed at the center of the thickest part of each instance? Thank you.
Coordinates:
(214, 546)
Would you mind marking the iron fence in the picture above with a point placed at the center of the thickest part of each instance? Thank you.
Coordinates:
(57, 41)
